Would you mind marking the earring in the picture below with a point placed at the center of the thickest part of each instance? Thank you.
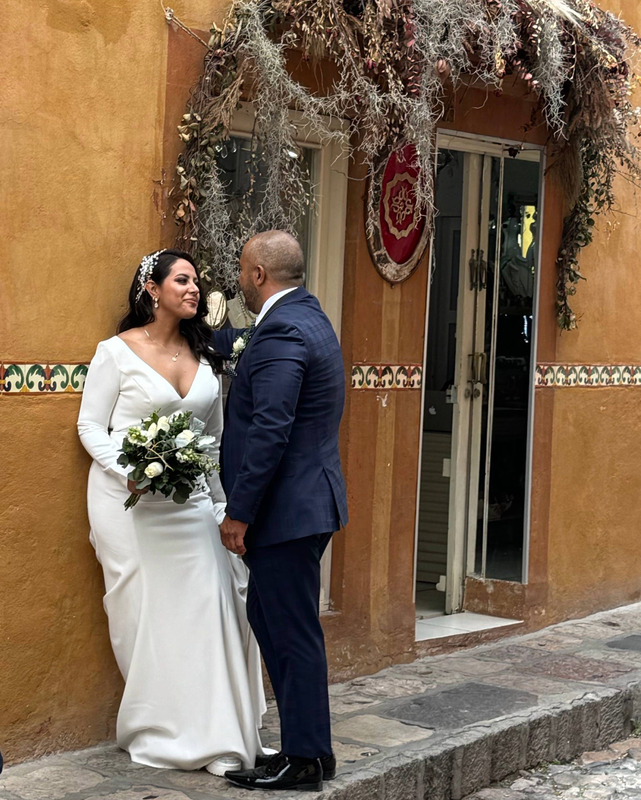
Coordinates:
(155, 302)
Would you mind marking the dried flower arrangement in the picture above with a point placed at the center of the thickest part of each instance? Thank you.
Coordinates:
(395, 60)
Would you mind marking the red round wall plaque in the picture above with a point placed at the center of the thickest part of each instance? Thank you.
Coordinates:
(399, 228)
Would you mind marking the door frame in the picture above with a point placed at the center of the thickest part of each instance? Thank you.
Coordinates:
(327, 242)
(457, 545)
(325, 268)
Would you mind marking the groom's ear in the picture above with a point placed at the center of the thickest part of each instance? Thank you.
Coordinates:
(260, 274)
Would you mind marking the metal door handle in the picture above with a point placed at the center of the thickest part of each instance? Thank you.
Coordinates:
(474, 269)
(481, 368)
(478, 270)
(478, 368)
(482, 272)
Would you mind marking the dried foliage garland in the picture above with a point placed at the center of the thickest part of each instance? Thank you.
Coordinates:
(395, 59)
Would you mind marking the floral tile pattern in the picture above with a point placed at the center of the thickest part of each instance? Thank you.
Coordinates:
(586, 375)
(58, 378)
(387, 376)
(410, 376)
(42, 378)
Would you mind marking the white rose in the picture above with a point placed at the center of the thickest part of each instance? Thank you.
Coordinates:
(184, 438)
(238, 345)
(154, 469)
(151, 431)
(163, 424)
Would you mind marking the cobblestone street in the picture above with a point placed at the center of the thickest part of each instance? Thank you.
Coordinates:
(612, 774)
(466, 724)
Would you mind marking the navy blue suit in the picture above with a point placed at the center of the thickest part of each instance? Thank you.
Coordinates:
(281, 474)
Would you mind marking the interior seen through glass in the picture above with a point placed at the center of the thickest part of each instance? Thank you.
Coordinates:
(506, 320)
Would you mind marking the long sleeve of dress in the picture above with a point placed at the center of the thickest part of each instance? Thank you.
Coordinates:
(102, 386)
(214, 428)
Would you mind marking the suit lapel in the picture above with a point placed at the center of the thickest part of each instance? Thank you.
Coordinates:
(299, 292)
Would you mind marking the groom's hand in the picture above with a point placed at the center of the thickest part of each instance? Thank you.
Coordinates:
(232, 532)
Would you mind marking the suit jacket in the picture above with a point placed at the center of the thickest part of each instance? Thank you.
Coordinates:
(280, 465)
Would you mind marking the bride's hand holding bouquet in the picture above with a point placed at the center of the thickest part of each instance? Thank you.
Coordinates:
(167, 455)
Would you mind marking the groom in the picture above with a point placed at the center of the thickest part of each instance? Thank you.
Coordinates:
(285, 495)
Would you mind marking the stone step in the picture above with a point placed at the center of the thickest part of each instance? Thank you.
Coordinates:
(441, 728)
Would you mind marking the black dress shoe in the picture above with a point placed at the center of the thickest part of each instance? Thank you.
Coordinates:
(281, 772)
(328, 763)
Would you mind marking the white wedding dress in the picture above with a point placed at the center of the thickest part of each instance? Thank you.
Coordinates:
(175, 597)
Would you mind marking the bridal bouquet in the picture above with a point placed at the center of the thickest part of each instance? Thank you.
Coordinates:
(167, 454)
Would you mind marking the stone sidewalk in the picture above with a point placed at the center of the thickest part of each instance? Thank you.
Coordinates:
(441, 728)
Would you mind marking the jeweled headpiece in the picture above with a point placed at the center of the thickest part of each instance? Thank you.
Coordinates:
(145, 269)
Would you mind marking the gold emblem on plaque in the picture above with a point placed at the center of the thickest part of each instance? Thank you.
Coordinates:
(401, 206)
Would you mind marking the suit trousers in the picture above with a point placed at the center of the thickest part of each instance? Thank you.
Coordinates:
(282, 608)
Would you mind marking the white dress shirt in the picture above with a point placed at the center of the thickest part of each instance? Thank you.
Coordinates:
(270, 302)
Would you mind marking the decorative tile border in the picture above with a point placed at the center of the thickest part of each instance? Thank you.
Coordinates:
(70, 378)
(587, 375)
(387, 376)
(42, 378)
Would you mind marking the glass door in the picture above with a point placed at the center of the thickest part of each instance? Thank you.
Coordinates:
(478, 374)
(503, 494)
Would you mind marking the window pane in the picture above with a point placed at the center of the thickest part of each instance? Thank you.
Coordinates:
(238, 169)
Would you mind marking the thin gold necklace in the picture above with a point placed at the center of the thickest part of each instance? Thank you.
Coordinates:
(174, 357)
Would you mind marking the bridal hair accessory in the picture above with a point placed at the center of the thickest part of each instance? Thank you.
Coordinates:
(145, 269)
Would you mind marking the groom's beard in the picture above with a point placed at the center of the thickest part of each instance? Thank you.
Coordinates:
(252, 299)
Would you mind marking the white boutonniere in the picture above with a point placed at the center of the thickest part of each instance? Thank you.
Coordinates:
(240, 343)
(237, 349)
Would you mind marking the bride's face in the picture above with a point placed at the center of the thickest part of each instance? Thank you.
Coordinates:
(179, 293)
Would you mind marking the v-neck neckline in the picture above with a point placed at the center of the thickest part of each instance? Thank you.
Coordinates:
(162, 377)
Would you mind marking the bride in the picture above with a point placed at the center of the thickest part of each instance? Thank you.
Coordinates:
(175, 597)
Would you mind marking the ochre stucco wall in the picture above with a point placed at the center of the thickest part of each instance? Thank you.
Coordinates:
(593, 436)
(595, 499)
(82, 127)
(94, 91)
(373, 560)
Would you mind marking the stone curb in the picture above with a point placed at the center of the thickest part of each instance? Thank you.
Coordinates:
(540, 697)
(465, 762)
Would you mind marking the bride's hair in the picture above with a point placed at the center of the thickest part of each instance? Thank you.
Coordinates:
(140, 313)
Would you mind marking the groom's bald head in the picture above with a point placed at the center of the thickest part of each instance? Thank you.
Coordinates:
(280, 255)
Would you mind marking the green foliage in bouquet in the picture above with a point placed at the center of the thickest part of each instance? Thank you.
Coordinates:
(167, 455)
